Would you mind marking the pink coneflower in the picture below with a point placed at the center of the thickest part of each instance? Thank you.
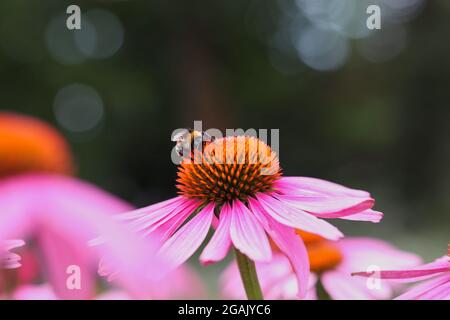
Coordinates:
(436, 274)
(225, 187)
(10, 260)
(331, 262)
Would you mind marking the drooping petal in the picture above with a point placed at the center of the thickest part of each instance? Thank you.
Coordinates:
(188, 238)
(288, 242)
(366, 215)
(329, 207)
(220, 242)
(325, 199)
(313, 186)
(296, 218)
(247, 234)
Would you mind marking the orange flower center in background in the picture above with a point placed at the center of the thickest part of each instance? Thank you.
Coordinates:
(229, 168)
(31, 145)
(323, 254)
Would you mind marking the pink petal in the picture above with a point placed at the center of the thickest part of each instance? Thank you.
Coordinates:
(296, 218)
(144, 212)
(329, 207)
(366, 215)
(430, 289)
(288, 242)
(416, 273)
(313, 186)
(220, 242)
(60, 255)
(150, 218)
(247, 234)
(324, 199)
(440, 292)
(187, 240)
(167, 227)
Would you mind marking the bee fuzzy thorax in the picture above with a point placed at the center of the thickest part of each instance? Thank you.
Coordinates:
(190, 141)
(227, 169)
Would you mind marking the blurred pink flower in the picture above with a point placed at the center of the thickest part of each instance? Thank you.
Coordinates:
(278, 280)
(246, 207)
(10, 260)
(62, 215)
(436, 274)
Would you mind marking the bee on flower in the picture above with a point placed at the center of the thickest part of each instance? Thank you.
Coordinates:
(236, 187)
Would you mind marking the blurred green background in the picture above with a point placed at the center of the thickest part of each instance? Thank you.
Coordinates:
(368, 109)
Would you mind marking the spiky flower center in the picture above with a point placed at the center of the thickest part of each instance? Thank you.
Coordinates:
(31, 145)
(227, 169)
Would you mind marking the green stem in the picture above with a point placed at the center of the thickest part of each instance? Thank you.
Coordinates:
(249, 277)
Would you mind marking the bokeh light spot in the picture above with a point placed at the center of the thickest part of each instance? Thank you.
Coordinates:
(78, 108)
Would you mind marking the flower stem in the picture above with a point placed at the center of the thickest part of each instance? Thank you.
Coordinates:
(249, 277)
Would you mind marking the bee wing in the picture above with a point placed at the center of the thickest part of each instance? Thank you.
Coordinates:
(207, 137)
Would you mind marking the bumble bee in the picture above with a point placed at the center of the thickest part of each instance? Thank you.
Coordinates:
(191, 140)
